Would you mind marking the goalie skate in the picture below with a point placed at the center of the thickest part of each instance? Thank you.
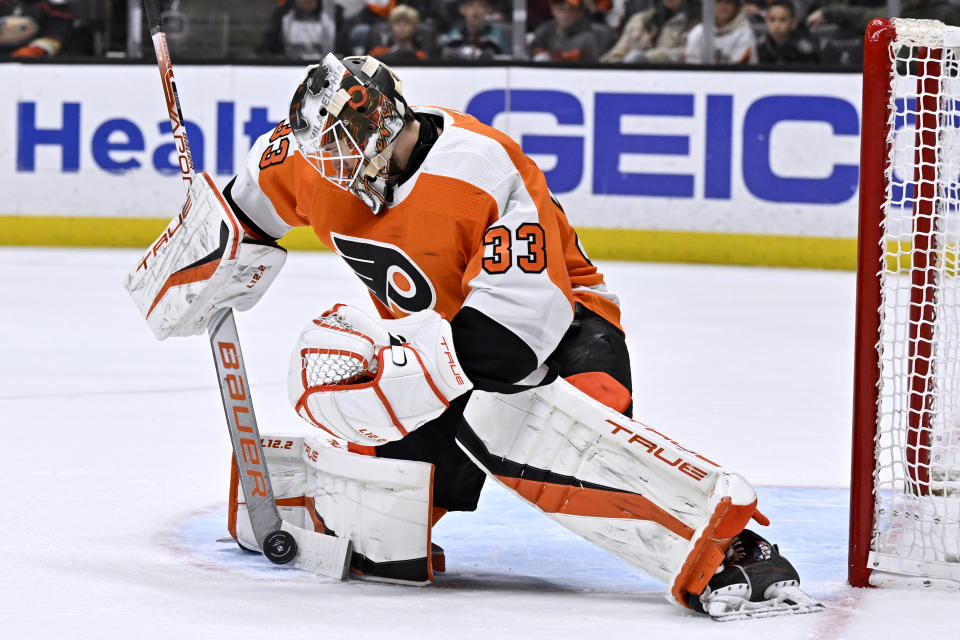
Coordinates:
(755, 581)
(784, 600)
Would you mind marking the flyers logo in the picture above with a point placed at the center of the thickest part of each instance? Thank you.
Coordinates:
(388, 272)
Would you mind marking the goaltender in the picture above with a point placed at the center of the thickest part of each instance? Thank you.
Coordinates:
(498, 352)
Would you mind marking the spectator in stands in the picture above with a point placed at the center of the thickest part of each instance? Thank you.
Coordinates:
(299, 30)
(403, 46)
(857, 18)
(622, 10)
(540, 11)
(658, 34)
(733, 41)
(474, 38)
(362, 24)
(787, 42)
(443, 15)
(757, 8)
(34, 28)
(570, 35)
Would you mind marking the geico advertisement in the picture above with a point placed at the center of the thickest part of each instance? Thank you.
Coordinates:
(710, 151)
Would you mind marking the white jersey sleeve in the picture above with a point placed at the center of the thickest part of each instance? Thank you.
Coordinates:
(514, 285)
(262, 192)
(519, 300)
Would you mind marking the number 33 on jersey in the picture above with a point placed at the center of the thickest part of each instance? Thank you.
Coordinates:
(475, 226)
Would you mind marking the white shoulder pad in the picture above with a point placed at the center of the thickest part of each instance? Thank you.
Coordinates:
(199, 264)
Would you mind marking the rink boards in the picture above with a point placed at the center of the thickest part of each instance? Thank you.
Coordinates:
(666, 165)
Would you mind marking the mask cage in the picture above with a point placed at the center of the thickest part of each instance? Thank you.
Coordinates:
(337, 157)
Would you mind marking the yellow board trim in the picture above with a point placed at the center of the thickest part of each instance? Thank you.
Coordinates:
(720, 248)
(600, 244)
(137, 233)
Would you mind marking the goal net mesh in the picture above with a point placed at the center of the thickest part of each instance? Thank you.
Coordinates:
(917, 476)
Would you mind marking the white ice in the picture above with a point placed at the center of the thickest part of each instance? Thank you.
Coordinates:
(113, 474)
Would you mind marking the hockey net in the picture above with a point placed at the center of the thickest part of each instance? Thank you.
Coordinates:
(905, 498)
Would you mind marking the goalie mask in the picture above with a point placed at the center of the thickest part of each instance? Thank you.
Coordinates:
(346, 117)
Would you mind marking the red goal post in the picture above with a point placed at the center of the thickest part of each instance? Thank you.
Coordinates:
(905, 475)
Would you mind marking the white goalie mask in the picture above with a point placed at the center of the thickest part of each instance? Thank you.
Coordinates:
(346, 117)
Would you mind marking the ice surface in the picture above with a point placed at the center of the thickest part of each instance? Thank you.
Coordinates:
(113, 487)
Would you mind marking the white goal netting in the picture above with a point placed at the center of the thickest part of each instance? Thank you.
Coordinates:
(917, 476)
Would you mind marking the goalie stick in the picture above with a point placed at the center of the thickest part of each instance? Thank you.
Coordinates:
(280, 541)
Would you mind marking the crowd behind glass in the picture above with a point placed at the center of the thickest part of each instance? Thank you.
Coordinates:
(794, 32)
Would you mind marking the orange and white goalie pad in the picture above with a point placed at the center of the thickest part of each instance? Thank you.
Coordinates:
(199, 264)
(617, 483)
(374, 381)
(383, 506)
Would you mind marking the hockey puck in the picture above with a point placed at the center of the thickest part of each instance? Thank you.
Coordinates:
(279, 547)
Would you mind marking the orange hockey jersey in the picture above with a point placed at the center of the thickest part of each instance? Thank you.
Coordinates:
(473, 231)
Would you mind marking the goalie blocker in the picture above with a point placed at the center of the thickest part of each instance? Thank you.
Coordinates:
(200, 263)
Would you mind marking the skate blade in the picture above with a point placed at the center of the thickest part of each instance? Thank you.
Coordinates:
(768, 612)
(788, 601)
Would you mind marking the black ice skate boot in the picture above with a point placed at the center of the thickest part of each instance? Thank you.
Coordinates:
(754, 581)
